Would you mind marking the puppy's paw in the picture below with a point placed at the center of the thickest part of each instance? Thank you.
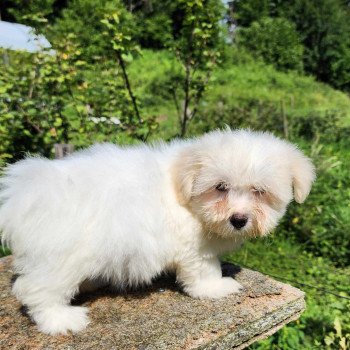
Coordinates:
(60, 319)
(214, 289)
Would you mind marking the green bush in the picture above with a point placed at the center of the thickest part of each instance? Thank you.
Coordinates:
(50, 98)
(83, 19)
(322, 224)
(275, 40)
(323, 27)
(284, 259)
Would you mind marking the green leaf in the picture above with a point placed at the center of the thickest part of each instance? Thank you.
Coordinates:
(127, 57)
(337, 327)
(58, 122)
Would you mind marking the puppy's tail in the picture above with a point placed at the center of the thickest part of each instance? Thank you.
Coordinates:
(19, 192)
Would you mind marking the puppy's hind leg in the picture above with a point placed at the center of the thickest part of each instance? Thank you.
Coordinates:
(48, 301)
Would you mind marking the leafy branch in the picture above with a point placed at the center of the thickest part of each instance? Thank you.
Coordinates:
(197, 49)
(121, 42)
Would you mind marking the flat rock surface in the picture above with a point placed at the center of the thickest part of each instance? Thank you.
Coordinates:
(160, 316)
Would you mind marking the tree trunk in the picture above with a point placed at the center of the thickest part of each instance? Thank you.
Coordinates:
(128, 86)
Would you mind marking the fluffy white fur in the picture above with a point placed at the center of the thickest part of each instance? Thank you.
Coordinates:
(124, 215)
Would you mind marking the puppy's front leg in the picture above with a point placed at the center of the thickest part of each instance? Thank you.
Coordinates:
(203, 279)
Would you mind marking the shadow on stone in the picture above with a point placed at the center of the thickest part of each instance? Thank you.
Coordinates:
(13, 279)
(24, 311)
(159, 285)
(230, 270)
(166, 281)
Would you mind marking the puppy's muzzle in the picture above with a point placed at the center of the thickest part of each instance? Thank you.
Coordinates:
(238, 221)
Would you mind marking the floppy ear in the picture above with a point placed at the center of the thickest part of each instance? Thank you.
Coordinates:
(303, 173)
(184, 172)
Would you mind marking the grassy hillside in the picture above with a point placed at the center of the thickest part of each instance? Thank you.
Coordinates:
(239, 82)
(301, 94)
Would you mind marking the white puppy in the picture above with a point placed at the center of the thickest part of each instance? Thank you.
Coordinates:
(124, 215)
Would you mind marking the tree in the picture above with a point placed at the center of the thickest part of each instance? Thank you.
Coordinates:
(154, 22)
(275, 40)
(31, 12)
(119, 33)
(248, 11)
(324, 27)
(83, 19)
(196, 44)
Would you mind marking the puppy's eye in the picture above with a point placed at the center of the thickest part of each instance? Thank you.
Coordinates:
(258, 191)
(222, 187)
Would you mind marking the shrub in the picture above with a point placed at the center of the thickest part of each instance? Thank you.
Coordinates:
(322, 224)
(52, 98)
(324, 29)
(286, 260)
(275, 40)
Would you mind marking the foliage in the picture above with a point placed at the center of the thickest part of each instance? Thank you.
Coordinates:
(155, 22)
(275, 40)
(323, 26)
(337, 338)
(324, 29)
(196, 48)
(50, 98)
(281, 257)
(240, 85)
(83, 19)
(118, 32)
(155, 85)
(248, 11)
(327, 46)
(31, 12)
(325, 230)
(240, 82)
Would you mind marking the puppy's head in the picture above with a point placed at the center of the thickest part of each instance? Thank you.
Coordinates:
(240, 182)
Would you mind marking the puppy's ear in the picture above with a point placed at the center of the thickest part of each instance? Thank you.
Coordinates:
(303, 173)
(184, 172)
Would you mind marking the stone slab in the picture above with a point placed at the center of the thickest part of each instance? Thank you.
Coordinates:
(160, 316)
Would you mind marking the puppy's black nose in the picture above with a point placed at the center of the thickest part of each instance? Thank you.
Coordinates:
(238, 221)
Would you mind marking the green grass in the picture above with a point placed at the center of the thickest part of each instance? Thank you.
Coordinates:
(4, 251)
(287, 261)
(234, 84)
(256, 81)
